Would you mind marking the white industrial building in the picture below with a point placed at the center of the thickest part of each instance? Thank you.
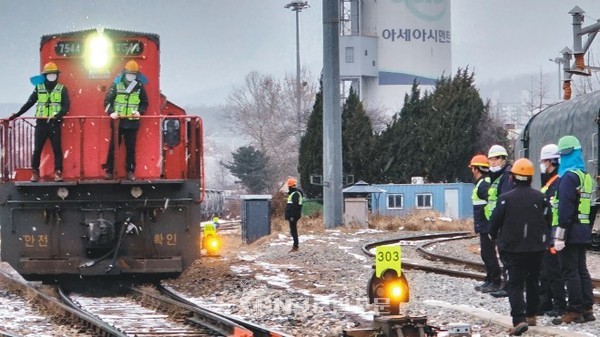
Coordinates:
(386, 44)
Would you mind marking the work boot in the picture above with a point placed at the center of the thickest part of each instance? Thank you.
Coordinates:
(518, 329)
(483, 285)
(35, 176)
(532, 321)
(109, 175)
(588, 315)
(294, 249)
(130, 176)
(58, 176)
(499, 293)
(492, 287)
(554, 313)
(569, 317)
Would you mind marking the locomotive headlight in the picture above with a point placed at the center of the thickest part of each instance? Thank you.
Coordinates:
(98, 51)
(62, 193)
(136, 191)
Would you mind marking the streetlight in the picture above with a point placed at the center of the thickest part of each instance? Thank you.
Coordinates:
(558, 61)
(297, 6)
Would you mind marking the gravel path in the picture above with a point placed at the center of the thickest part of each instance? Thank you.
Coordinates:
(321, 289)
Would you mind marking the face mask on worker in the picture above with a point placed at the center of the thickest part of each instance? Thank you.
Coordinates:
(543, 167)
(130, 77)
(51, 77)
(495, 168)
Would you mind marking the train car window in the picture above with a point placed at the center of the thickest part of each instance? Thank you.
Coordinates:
(171, 132)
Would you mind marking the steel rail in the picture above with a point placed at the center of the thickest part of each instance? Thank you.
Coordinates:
(257, 330)
(195, 314)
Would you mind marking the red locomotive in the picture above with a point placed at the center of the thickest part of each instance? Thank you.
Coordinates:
(87, 225)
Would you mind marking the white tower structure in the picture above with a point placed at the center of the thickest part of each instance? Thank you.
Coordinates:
(386, 44)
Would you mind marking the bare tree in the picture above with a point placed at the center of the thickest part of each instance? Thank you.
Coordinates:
(264, 110)
(537, 94)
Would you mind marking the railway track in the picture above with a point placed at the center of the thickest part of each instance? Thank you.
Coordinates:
(51, 305)
(474, 270)
(140, 312)
(156, 311)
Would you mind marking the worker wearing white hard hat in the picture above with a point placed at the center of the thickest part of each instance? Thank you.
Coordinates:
(552, 290)
(501, 183)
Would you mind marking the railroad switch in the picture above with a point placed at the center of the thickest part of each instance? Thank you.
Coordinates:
(395, 325)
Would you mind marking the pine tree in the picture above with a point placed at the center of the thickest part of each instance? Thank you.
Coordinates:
(250, 166)
(399, 147)
(311, 148)
(357, 139)
(436, 134)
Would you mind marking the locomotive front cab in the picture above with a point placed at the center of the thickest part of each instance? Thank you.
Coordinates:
(86, 225)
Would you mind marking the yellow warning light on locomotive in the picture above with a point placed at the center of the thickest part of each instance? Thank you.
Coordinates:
(98, 51)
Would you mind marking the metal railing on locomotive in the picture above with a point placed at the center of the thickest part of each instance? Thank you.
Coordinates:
(17, 137)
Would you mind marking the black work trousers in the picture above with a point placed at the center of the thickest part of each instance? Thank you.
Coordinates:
(523, 269)
(43, 130)
(490, 259)
(129, 135)
(294, 230)
(552, 286)
(574, 271)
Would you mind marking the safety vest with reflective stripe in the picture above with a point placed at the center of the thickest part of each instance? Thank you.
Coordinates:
(475, 197)
(553, 200)
(126, 103)
(585, 196)
(289, 200)
(48, 104)
(492, 197)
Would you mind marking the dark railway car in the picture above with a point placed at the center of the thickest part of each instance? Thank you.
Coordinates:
(86, 226)
(579, 117)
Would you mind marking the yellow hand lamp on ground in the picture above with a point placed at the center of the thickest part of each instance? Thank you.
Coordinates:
(388, 286)
(210, 239)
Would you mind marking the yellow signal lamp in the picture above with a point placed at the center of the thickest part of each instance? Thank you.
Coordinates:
(397, 290)
(212, 244)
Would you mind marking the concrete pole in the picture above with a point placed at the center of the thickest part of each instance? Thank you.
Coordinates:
(332, 117)
(298, 85)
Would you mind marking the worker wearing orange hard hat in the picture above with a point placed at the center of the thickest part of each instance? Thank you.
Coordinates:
(519, 223)
(52, 100)
(126, 101)
(293, 210)
(480, 166)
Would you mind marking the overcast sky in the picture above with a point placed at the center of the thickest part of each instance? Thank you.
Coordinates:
(208, 46)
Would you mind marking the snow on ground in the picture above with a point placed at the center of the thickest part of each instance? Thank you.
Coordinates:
(321, 289)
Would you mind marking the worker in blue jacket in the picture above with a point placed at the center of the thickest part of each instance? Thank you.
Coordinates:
(574, 232)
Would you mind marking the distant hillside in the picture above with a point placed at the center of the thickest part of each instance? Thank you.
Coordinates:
(518, 88)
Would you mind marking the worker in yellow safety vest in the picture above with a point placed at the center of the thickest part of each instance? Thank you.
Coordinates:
(293, 210)
(574, 231)
(53, 103)
(552, 289)
(501, 183)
